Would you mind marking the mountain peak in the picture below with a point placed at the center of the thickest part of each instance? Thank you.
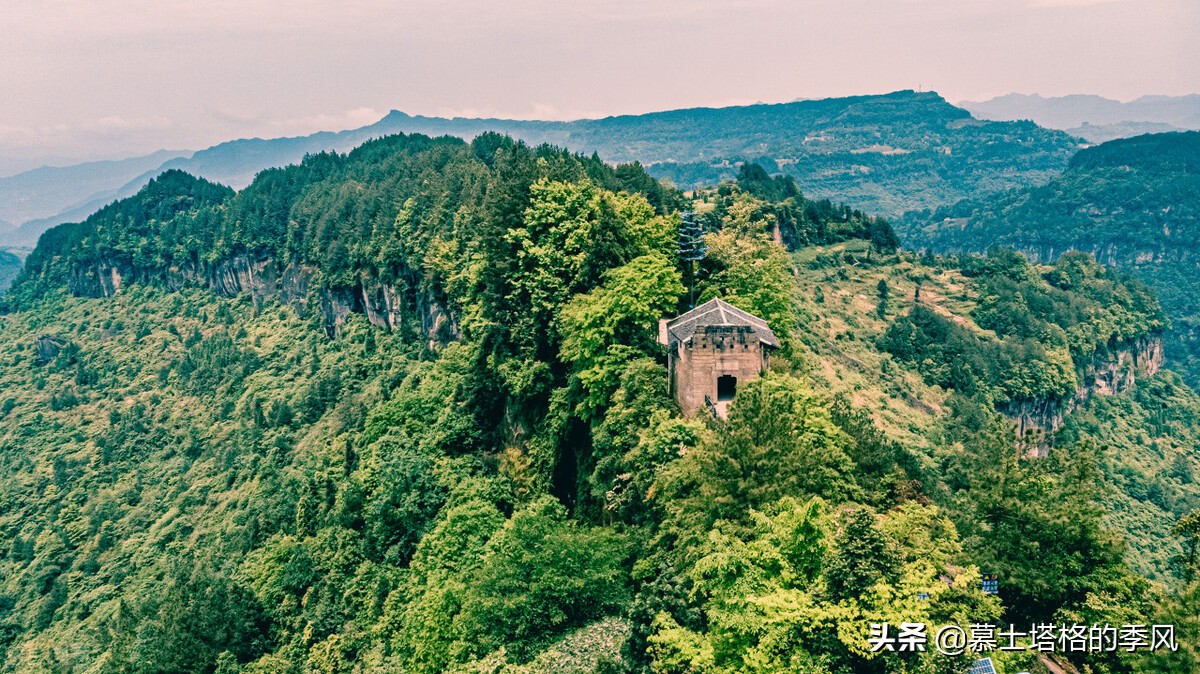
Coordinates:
(395, 116)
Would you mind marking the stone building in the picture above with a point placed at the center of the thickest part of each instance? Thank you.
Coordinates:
(710, 350)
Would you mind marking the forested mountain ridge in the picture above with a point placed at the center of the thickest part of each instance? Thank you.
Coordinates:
(213, 458)
(10, 265)
(883, 154)
(1133, 203)
(980, 333)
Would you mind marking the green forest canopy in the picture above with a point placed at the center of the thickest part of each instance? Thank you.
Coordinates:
(198, 483)
(1133, 203)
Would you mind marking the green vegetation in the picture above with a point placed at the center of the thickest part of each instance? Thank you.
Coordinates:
(1048, 326)
(883, 154)
(1147, 440)
(1132, 203)
(10, 266)
(279, 480)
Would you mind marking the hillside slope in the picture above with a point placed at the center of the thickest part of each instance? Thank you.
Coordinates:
(10, 265)
(1133, 203)
(404, 410)
(883, 154)
(1144, 419)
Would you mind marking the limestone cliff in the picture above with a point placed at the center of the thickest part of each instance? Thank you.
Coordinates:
(1108, 374)
(385, 305)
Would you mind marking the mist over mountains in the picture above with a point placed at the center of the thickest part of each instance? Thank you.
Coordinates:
(56, 195)
(1094, 118)
(324, 372)
(49, 191)
(384, 337)
(10, 266)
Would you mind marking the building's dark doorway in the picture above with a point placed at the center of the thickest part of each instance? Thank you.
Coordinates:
(726, 387)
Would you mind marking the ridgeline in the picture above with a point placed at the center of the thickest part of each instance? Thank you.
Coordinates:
(882, 154)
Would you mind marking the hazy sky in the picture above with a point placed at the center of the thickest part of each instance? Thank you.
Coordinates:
(115, 77)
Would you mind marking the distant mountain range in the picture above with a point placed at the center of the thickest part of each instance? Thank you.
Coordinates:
(1094, 118)
(45, 192)
(78, 191)
(883, 154)
(1133, 203)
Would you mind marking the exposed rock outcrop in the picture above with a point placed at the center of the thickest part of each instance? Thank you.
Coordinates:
(1037, 417)
(242, 273)
(99, 279)
(437, 324)
(1120, 370)
(336, 305)
(1108, 374)
(47, 348)
(385, 305)
(381, 303)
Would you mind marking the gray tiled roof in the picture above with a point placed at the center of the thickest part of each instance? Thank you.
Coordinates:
(717, 312)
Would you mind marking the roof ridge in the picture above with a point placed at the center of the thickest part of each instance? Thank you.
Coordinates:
(717, 312)
(742, 313)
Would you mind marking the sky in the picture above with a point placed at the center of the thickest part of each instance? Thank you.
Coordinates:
(83, 79)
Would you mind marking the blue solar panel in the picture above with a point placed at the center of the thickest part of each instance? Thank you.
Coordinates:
(983, 666)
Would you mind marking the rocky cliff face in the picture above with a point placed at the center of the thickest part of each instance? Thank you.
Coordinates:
(1113, 254)
(1119, 371)
(1108, 374)
(242, 273)
(385, 305)
(100, 279)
